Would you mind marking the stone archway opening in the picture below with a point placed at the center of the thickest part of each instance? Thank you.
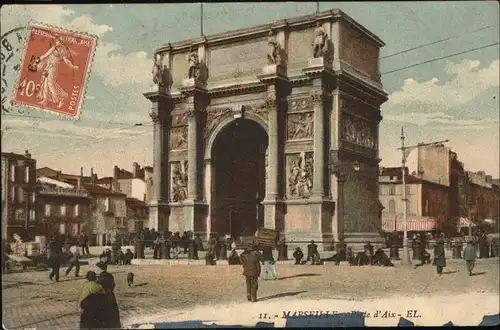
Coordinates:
(238, 185)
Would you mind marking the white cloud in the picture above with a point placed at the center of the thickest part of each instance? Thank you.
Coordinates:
(421, 119)
(70, 129)
(467, 83)
(113, 66)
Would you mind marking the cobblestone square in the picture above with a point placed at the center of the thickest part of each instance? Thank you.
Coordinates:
(31, 300)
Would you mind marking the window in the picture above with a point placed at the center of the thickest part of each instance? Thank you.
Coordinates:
(20, 195)
(392, 206)
(13, 194)
(107, 204)
(47, 209)
(408, 190)
(408, 206)
(33, 198)
(75, 229)
(62, 229)
(27, 174)
(392, 190)
(144, 197)
(77, 210)
(13, 173)
(63, 209)
(426, 207)
(32, 215)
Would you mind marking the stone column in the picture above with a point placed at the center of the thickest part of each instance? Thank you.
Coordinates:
(340, 207)
(273, 153)
(158, 141)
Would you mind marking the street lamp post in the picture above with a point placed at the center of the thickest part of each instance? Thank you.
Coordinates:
(406, 253)
(405, 151)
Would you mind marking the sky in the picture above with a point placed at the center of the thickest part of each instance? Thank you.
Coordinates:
(456, 98)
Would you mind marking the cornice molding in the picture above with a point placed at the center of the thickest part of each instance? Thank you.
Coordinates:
(258, 31)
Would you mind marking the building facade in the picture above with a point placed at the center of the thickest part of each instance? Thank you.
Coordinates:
(19, 196)
(64, 209)
(427, 203)
(483, 195)
(257, 128)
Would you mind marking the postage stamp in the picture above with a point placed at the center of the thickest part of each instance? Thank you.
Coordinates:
(54, 70)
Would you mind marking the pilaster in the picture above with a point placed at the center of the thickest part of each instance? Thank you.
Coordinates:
(278, 89)
(197, 100)
(160, 113)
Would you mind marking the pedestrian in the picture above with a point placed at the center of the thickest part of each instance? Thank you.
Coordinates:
(470, 256)
(269, 265)
(128, 257)
(54, 262)
(198, 242)
(234, 258)
(107, 281)
(84, 240)
(298, 255)
(251, 271)
(312, 249)
(439, 257)
(74, 261)
(92, 307)
(156, 247)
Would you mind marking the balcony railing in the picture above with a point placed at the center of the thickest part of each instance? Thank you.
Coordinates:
(63, 191)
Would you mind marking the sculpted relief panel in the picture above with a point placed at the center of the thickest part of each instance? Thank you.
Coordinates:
(300, 120)
(299, 174)
(178, 180)
(300, 126)
(178, 132)
(358, 131)
(214, 117)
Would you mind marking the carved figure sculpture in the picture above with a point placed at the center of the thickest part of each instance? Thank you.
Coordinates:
(302, 128)
(275, 52)
(300, 177)
(194, 66)
(320, 45)
(179, 138)
(179, 182)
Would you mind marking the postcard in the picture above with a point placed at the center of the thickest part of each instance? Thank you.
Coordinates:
(250, 164)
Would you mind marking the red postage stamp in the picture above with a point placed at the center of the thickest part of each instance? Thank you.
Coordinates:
(54, 70)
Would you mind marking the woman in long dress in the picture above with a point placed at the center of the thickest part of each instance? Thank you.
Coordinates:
(92, 308)
(50, 91)
(107, 281)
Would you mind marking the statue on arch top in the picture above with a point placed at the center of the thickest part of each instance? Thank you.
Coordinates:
(321, 45)
(276, 54)
(161, 74)
(193, 65)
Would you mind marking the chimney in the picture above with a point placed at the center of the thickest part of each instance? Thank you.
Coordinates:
(92, 176)
(27, 154)
(116, 172)
(79, 180)
(135, 170)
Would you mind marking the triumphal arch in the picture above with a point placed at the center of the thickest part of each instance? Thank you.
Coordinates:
(272, 126)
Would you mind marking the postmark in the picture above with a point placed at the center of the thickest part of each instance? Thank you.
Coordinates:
(11, 44)
(54, 70)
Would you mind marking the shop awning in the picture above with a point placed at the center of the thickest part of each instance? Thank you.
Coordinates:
(464, 222)
(393, 222)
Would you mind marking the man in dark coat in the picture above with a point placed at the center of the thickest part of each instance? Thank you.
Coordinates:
(217, 247)
(243, 255)
(107, 281)
(251, 271)
(298, 255)
(470, 256)
(234, 258)
(281, 245)
(92, 306)
(439, 257)
(84, 243)
(312, 249)
(128, 257)
(54, 260)
(198, 242)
